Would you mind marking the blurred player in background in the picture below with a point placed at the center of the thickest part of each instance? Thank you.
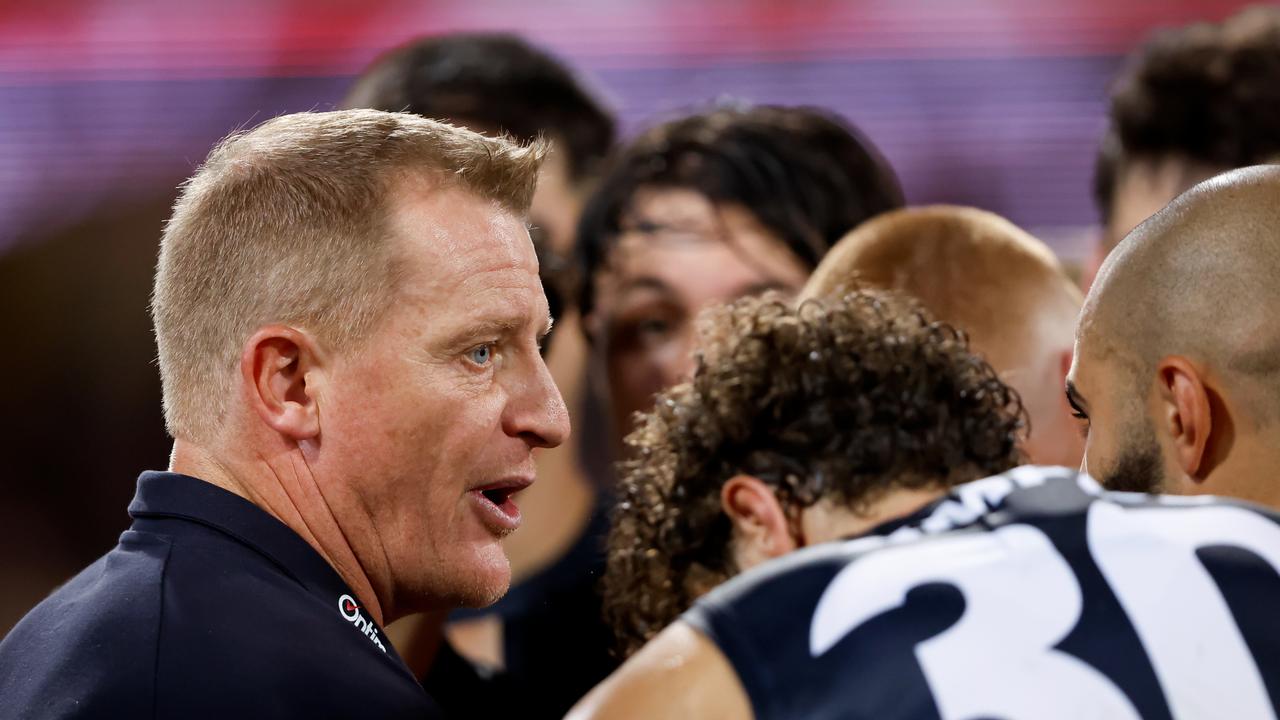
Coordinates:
(979, 273)
(705, 209)
(1191, 103)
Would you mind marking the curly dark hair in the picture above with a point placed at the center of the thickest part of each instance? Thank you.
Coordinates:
(806, 175)
(1206, 92)
(841, 399)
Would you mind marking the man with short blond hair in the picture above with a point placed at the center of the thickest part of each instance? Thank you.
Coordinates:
(981, 273)
(348, 312)
(331, 268)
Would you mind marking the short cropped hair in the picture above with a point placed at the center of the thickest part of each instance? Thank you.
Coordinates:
(841, 399)
(288, 223)
(971, 268)
(806, 175)
(1208, 93)
(492, 82)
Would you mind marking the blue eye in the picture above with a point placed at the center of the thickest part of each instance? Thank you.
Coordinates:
(480, 355)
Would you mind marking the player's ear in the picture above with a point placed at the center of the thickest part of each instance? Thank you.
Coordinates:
(761, 529)
(275, 366)
(1185, 414)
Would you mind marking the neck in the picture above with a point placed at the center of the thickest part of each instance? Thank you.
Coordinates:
(827, 521)
(1247, 472)
(283, 486)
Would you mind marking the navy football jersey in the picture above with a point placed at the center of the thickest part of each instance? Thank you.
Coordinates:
(1032, 594)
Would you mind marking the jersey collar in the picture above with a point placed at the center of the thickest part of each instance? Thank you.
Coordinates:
(164, 495)
(171, 495)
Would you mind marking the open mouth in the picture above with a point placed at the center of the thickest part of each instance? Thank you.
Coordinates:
(497, 507)
(498, 496)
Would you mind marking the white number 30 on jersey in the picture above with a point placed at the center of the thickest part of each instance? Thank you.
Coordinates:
(998, 659)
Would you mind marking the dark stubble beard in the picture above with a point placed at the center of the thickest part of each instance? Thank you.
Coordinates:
(1139, 466)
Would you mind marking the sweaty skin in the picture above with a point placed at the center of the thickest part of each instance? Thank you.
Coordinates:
(680, 674)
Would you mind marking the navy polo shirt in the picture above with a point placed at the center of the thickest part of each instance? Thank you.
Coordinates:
(208, 607)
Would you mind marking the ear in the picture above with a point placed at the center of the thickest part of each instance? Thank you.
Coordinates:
(1186, 413)
(274, 367)
(761, 530)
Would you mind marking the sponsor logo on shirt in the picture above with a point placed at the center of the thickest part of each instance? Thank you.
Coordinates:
(350, 612)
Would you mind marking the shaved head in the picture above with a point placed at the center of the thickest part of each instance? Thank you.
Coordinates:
(1190, 296)
(981, 273)
(1200, 278)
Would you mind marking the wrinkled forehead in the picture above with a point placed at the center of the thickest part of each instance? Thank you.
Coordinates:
(437, 227)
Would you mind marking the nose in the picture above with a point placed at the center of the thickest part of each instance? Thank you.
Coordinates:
(535, 411)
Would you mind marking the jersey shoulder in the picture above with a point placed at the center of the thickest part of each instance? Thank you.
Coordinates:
(1037, 555)
(91, 645)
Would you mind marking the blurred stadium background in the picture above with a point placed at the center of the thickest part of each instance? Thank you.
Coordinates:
(106, 106)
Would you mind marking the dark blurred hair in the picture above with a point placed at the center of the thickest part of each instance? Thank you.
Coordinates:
(806, 175)
(491, 82)
(841, 399)
(1208, 93)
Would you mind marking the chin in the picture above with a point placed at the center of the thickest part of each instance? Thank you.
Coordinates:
(484, 579)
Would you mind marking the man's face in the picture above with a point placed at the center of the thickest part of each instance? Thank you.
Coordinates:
(678, 254)
(431, 424)
(1121, 449)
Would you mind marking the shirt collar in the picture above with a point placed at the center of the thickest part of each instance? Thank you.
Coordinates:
(171, 495)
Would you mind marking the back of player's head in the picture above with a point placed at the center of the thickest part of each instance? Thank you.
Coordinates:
(971, 268)
(1205, 96)
(982, 274)
(491, 82)
(805, 174)
(842, 399)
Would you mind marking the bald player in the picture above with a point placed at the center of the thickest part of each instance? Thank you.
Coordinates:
(978, 272)
(1177, 361)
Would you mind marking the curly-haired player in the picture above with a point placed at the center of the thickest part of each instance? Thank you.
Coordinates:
(801, 425)
(1031, 593)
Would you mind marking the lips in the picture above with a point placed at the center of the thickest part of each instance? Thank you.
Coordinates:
(496, 506)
